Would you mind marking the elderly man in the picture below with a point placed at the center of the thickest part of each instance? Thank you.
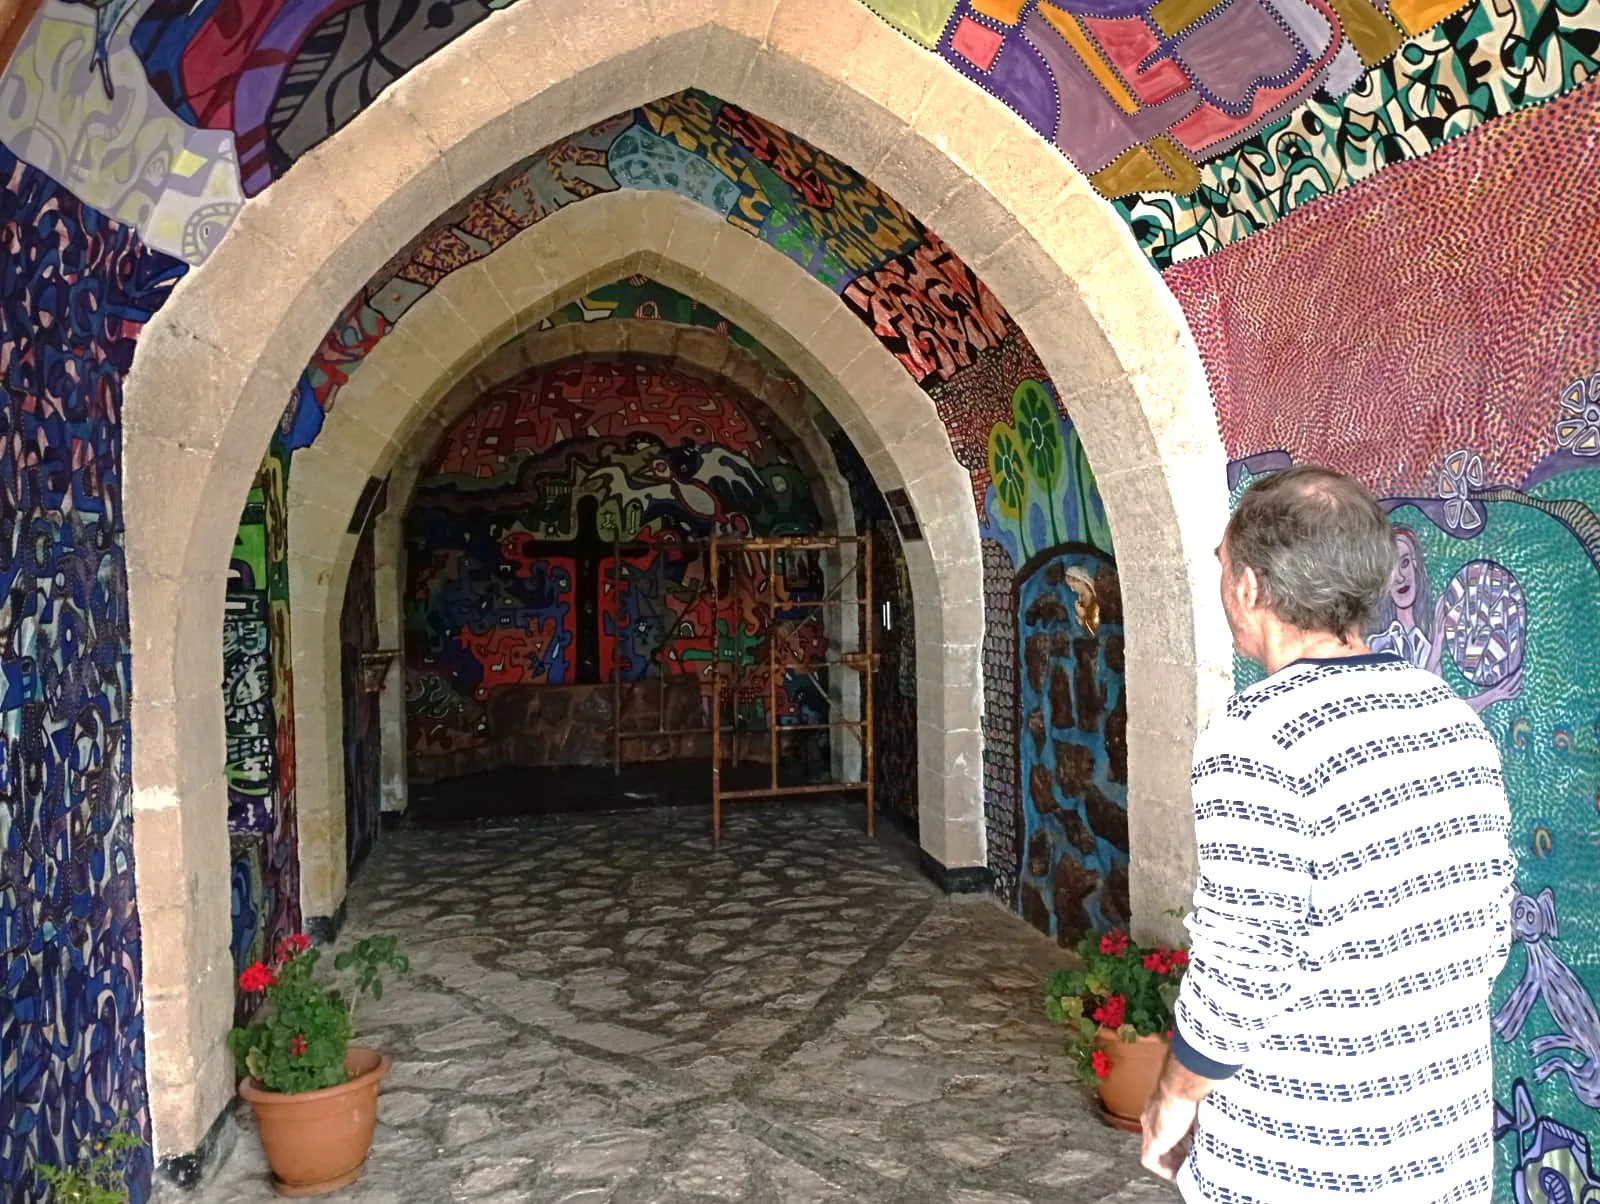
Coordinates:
(1353, 905)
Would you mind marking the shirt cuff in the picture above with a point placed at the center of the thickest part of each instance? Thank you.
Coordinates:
(1192, 1059)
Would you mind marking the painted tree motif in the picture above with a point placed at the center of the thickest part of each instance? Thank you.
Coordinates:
(1009, 474)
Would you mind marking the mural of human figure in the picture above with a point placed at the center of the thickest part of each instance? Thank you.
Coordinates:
(1546, 976)
(1403, 624)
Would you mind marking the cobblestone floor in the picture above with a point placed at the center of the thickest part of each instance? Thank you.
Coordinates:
(604, 1009)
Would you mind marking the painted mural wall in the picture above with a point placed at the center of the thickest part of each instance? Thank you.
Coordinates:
(918, 298)
(1073, 750)
(258, 724)
(76, 288)
(546, 547)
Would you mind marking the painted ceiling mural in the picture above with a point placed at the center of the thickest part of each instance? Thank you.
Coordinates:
(1206, 119)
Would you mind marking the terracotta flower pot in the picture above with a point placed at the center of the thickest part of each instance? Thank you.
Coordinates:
(1135, 1070)
(317, 1141)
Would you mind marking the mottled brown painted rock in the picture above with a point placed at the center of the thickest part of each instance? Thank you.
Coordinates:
(1060, 698)
(1078, 833)
(1117, 740)
(1073, 883)
(1036, 655)
(1042, 791)
(1039, 854)
(1091, 698)
(1115, 660)
(1036, 729)
(1074, 768)
(1108, 591)
(1032, 905)
(1114, 897)
(1109, 821)
(1046, 611)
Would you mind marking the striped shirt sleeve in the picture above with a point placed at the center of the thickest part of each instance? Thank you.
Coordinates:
(1248, 929)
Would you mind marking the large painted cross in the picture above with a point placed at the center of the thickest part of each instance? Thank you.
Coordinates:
(588, 550)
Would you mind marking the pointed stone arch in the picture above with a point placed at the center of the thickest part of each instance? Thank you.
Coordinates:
(214, 368)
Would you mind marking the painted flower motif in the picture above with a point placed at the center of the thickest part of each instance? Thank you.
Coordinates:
(1112, 1012)
(1101, 1061)
(1459, 475)
(256, 978)
(1114, 943)
(297, 1045)
(1578, 427)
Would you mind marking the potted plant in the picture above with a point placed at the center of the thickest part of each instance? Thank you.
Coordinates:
(315, 1095)
(100, 1175)
(1118, 1013)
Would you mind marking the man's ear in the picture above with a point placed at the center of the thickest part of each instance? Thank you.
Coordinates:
(1248, 588)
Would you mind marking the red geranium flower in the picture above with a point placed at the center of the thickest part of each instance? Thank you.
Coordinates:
(256, 978)
(297, 1045)
(1180, 957)
(1114, 943)
(290, 945)
(1156, 963)
(1111, 1012)
(1101, 1061)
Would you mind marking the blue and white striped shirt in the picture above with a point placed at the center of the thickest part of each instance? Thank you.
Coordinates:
(1352, 911)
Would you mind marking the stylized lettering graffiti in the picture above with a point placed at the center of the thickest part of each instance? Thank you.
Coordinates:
(249, 723)
(930, 309)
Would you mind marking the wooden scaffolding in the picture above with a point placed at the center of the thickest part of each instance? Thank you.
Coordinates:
(748, 580)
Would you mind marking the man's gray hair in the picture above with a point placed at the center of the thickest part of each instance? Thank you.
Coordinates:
(1320, 546)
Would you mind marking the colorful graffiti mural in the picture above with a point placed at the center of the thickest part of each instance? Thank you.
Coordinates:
(545, 539)
(258, 724)
(1072, 754)
(1550, 1162)
(1480, 63)
(1210, 120)
(76, 289)
(249, 722)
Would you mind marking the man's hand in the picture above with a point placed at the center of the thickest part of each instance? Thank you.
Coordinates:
(1168, 1129)
(1169, 1118)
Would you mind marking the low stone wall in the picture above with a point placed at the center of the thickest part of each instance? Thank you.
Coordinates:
(538, 726)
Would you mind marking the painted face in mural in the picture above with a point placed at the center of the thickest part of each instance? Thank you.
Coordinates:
(1403, 590)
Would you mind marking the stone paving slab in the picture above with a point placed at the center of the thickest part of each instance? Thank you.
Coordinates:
(607, 1009)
